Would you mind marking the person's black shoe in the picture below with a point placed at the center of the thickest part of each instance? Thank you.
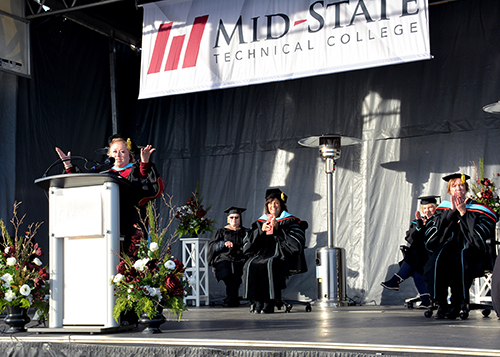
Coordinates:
(441, 312)
(426, 301)
(393, 283)
(231, 301)
(453, 313)
(256, 307)
(268, 308)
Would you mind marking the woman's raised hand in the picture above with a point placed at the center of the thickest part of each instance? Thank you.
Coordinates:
(66, 158)
(146, 153)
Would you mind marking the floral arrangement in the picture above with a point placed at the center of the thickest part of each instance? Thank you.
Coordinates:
(484, 190)
(150, 279)
(192, 217)
(23, 278)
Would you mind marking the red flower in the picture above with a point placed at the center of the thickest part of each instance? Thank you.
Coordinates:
(131, 276)
(152, 265)
(178, 265)
(37, 250)
(38, 282)
(486, 182)
(488, 194)
(31, 266)
(173, 284)
(43, 274)
(122, 267)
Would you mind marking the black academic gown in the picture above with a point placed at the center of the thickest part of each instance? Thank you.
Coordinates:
(416, 255)
(460, 248)
(226, 261)
(134, 195)
(273, 258)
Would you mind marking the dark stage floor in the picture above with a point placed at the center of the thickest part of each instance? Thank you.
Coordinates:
(370, 330)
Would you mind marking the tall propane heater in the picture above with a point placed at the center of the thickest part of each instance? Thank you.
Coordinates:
(330, 260)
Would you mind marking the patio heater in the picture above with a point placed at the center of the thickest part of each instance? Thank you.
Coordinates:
(493, 108)
(330, 260)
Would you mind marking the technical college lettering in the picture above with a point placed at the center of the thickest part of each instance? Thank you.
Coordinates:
(324, 24)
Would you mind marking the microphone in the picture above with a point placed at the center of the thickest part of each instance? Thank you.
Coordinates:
(109, 162)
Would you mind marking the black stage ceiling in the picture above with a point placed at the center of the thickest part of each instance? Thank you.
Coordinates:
(119, 18)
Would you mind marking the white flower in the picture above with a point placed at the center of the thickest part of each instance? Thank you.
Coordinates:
(191, 280)
(7, 278)
(11, 261)
(479, 194)
(10, 295)
(37, 261)
(6, 250)
(141, 264)
(153, 246)
(153, 291)
(169, 264)
(117, 278)
(25, 290)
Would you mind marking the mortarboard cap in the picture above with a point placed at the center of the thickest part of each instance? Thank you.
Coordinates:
(233, 209)
(456, 175)
(425, 200)
(276, 193)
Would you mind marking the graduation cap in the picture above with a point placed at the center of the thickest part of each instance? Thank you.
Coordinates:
(456, 175)
(276, 193)
(233, 209)
(425, 200)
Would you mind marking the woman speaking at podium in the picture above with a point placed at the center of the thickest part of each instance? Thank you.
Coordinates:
(146, 183)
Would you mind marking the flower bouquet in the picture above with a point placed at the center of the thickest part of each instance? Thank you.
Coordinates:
(23, 278)
(484, 190)
(192, 217)
(151, 279)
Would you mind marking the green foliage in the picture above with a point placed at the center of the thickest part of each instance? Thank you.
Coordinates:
(192, 217)
(152, 279)
(24, 281)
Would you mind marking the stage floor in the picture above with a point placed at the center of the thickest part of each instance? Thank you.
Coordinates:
(372, 330)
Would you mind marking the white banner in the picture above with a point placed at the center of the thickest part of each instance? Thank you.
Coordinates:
(197, 45)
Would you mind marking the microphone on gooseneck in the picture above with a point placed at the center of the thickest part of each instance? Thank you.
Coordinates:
(109, 162)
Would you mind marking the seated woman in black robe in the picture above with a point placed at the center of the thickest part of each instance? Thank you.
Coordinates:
(225, 255)
(143, 178)
(457, 236)
(275, 250)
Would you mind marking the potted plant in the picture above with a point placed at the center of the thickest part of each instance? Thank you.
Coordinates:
(192, 217)
(151, 279)
(23, 277)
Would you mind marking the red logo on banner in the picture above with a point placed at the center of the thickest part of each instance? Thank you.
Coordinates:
(173, 58)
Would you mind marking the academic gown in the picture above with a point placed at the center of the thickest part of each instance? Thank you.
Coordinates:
(145, 184)
(460, 248)
(416, 255)
(226, 261)
(273, 258)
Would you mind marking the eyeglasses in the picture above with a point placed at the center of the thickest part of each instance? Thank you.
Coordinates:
(234, 217)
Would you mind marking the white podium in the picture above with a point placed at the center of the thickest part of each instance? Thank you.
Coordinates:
(194, 258)
(84, 248)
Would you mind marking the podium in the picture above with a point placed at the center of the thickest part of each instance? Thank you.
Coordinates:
(84, 248)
